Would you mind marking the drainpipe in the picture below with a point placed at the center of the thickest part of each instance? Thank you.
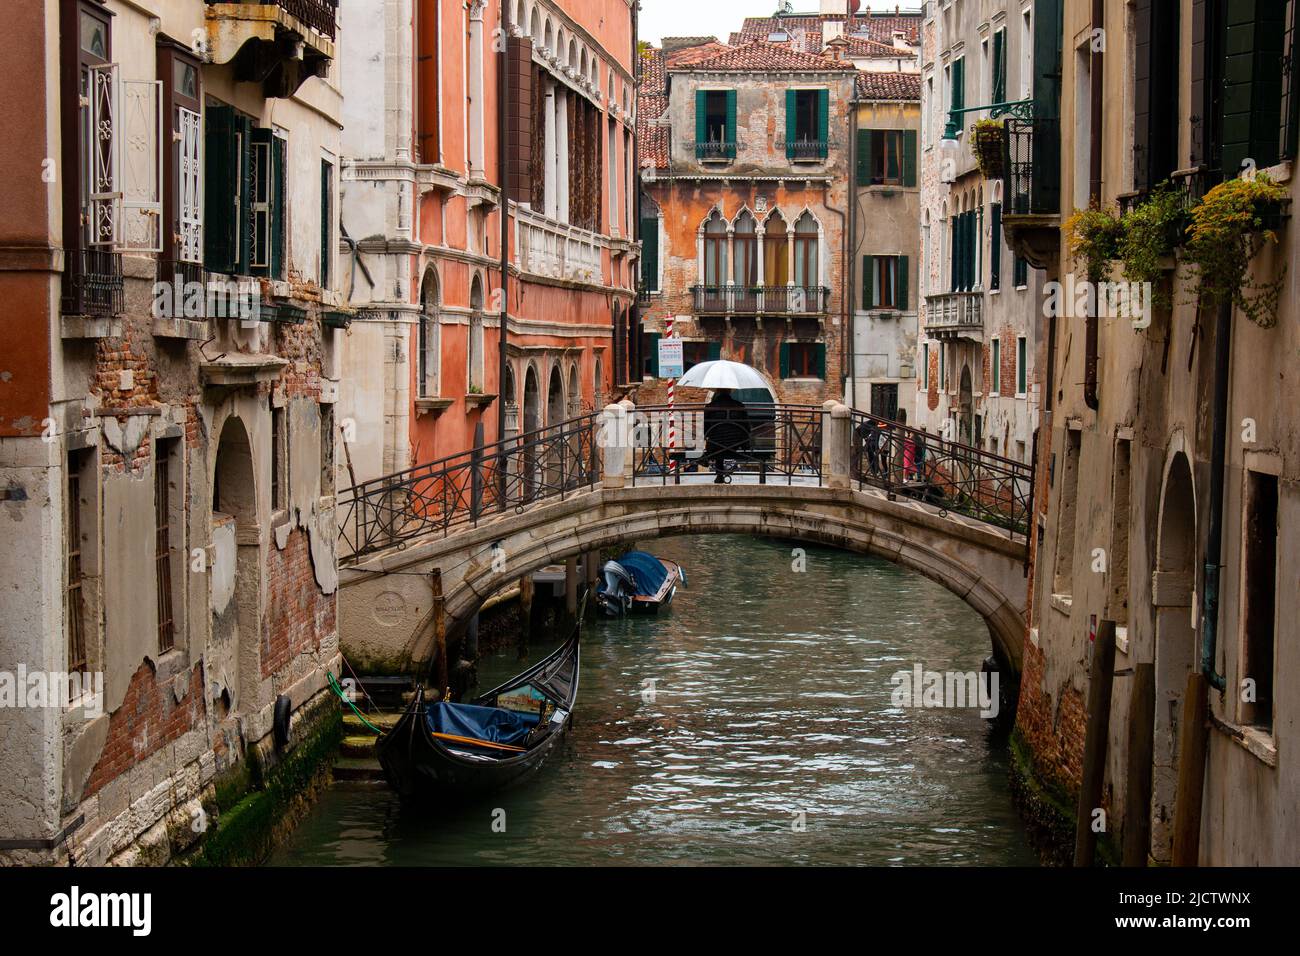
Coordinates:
(1091, 332)
(1218, 465)
(503, 158)
(851, 258)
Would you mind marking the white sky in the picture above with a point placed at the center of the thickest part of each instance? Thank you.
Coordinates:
(675, 18)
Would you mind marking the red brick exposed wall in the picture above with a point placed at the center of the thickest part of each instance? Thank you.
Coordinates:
(298, 613)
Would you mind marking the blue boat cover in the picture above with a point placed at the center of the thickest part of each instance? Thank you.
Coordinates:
(647, 570)
(480, 723)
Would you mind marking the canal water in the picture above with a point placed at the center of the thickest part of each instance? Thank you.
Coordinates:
(750, 724)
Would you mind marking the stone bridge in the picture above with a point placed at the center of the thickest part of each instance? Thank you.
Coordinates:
(486, 519)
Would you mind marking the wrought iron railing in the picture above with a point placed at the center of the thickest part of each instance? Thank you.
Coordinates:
(769, 444)
(473, 486)
(715, 150)
(1033, 168)
(807, 150)
(767, 300)
(957, 479)
(318, 15)
(93, 284)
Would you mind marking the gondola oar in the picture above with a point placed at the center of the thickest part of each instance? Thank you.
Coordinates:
(478, 743)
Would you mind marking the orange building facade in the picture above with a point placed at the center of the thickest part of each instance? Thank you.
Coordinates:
(424, 186)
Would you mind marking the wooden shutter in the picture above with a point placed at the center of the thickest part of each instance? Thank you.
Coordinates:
(909, 157)
(863, 159)
(714, 351)
(650, 253)
(261, 213)
(427, 92)
(785, 359)
(731, 117)
(652, 353)
(995, 246)
(1000, 66)
(868, 282)
(701, 116)
(819, 351)
(1200, 100)
(900, 295)
(823, 116)
(791, 121)
(1252, 84)
(326, 220)
(519, 122)
(221, 193)
(959, 83)
(1142, 94)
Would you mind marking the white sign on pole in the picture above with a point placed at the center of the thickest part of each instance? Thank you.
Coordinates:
(670, 358)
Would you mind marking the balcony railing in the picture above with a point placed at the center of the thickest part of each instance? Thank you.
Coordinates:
(318, 15)
(715, 151)
(1033, 169)
(806, 150)
(557, 250)
(92, 284)
(955, 315)
(760, 300)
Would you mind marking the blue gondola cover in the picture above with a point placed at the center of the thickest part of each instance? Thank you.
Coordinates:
(480, 723)
(647, 570)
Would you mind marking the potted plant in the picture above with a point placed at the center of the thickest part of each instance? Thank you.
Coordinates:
(1229, 227)
(988, 140)
(1094, 236)
(1148, 235)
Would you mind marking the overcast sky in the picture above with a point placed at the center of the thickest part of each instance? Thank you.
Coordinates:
(675, 18)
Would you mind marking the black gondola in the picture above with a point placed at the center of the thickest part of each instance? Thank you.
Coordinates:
(638, 583)
(455, 751)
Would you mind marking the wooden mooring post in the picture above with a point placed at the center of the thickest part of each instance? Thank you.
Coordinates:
(1141, 740)
(1191, 772)
(1100, 682)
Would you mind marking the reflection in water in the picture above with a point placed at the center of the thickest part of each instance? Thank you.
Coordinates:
(750, 724)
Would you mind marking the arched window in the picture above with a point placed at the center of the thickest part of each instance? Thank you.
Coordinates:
(475, 350)
(428, 350)
(715, 250)
(598, 383)
(776, 251)
(746, 245)
(805, 252)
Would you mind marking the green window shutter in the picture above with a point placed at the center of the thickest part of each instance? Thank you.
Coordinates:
(791, 121)
(995, 246)
(1000, 66)
(326, 215)
(863, 160)
(1252, 85)
(959, 83)
(994, 365)
(731, 116)
(244, 170)
(279, 205)
(715, 351)
(650, 253)
(901, 297)
(823, 115)
(221, 166)
(868, 281)
(1021, 369)
(785, 359)
(652, 353)
(909, 157)
(820, 351)
(954, 237)
(701, 116)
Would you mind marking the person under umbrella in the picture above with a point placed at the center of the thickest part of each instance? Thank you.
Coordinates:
(726, 430)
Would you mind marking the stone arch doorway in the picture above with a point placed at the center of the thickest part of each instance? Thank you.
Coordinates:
(555, 415)
(532, 421)
(966, 407)
(235, 569)
(428, 350)
(1175, 642)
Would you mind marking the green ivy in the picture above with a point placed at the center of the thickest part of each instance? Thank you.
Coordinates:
(1094, 236)
(1149, 233)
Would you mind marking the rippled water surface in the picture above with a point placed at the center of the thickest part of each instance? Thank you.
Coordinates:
(770, 737)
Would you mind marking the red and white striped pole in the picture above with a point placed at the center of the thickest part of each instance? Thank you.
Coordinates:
(672, 402)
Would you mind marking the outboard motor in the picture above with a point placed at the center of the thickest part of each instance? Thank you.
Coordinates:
(615, 590)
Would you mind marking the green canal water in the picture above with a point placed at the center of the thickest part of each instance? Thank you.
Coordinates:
(769, 738)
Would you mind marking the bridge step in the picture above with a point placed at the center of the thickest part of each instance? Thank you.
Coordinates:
(358, 746)
(364, 770)
(355, 726)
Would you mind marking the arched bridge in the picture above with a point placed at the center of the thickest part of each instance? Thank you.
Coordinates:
(821, 474)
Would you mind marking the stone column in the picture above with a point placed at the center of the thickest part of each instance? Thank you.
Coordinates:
(552, 201)
(562, 153)
(571, 586)
(613, 440)
(837, 426)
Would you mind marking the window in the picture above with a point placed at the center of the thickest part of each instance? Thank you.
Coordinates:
(776, 252)
(244, 196)
(326, 223)
(884, 400)
(182, 239)
(428, 344)
(74, 595)
(1117, 565)
(650, 253)
(995, 241)
(958, 86)
(1155, 92)
(803, 360)
(998, 79)
(1259, 593)
(884, 282)
(1020, 273)
(806, 269)
(279, 460)
(715, 124)
(715, 250)
(167, 518)
(886, 157)
(806, 117)
(475, 377)
(925, 365)
(1251, 104)
(995, 366)
(1022, 367)
(964, 251)
(1026, 53)
(1063, 578)
(328, 437)
(693, 353)
(650, 354)
(745, 243)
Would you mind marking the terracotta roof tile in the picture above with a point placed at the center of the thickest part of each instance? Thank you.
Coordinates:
(759, 56)
(889, 86)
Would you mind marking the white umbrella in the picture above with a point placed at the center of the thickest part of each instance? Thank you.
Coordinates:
(723, 374)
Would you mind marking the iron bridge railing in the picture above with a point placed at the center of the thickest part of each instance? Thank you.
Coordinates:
(769, 444)
(955, 478)
(461, 490)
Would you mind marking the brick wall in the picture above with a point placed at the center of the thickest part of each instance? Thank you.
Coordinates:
(297, 612)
